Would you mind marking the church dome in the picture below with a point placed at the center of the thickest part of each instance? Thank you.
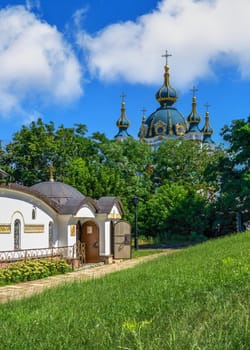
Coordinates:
(57, 191)
(166, 121)
(207, 130)
(166, 95)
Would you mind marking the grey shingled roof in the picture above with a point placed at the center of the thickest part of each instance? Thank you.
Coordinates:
(105, 204)
(30, 191)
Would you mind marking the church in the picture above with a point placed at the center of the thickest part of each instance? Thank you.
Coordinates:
(167, 122)
(52, 218)
(47, 217)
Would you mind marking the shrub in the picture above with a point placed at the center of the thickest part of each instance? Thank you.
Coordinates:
(32, 270)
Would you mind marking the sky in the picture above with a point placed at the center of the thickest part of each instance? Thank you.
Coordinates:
(69, 61)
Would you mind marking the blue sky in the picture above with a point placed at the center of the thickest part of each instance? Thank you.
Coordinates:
(69, 61)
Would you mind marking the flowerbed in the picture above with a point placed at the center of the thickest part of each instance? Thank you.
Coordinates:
(32, 270)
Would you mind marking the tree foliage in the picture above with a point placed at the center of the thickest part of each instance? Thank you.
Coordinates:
(182, 189)
(235, 174)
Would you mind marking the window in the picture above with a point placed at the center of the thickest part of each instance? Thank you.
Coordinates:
(51, 234)
(34, 213)
(17, 234)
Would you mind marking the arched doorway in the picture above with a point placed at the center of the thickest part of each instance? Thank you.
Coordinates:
(90, 236)
(17, 234)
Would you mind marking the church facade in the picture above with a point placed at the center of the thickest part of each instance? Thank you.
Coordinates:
(167, 122)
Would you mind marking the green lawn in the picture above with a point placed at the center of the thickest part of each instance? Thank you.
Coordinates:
(144, 252)
(196, 299)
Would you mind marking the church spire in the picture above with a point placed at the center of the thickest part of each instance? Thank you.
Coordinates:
(194, 118)
(167, 95)
(123, 122)
(207, 131)
(143, 129)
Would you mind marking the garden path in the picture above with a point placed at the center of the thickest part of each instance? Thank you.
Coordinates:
(26, 289)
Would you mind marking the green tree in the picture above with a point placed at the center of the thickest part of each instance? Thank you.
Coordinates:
(126, 162)
(235, 171)
(174, 211)
(185, 163)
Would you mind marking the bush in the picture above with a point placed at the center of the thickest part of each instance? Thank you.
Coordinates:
(32, 270)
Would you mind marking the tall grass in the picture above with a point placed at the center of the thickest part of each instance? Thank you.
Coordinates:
(196, 299)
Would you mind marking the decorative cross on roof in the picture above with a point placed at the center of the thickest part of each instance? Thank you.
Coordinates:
(194, 90)
(122, 96)
(207, 105)
(166, 55)
(143, 110)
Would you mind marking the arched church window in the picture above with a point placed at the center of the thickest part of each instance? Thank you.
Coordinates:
(34, 213)
(17, 234)
(51, 234)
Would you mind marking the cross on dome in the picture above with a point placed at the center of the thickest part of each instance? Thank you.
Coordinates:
(122, 96)
(194, 90)
(207, 105)
(166, 56)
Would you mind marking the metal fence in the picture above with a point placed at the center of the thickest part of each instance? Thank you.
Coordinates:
(67, 252)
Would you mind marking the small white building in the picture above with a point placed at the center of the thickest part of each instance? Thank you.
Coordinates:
(52, 214)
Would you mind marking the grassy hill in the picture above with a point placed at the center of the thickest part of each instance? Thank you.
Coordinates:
(198, 298)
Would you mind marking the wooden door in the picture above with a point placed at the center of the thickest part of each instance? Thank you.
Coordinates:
(90, 236)
(122, 240)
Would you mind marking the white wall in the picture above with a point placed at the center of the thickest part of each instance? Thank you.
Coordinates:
(104, 235)
(13, 206)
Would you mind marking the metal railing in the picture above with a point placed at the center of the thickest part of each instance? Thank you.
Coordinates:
(67, 252)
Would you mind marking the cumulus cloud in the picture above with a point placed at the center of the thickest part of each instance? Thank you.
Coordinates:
(35, 62)
(197, 33)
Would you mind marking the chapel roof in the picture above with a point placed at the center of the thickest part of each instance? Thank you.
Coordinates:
(32, 192)
(59, 192)
(105, 204)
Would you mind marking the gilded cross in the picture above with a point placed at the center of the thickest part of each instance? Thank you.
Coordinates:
(143, 110)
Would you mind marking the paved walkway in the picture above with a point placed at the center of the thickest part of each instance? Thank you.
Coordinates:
(21, 290)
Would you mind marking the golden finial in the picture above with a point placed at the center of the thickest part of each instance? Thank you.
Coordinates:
(51, 172)
(194, 90)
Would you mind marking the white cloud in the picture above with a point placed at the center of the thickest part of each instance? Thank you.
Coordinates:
(35, 62)
(197, 33)
(79, 16)
(30, 4)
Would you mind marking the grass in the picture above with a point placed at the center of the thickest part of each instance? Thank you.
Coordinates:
(196, 299)
(144, 252)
